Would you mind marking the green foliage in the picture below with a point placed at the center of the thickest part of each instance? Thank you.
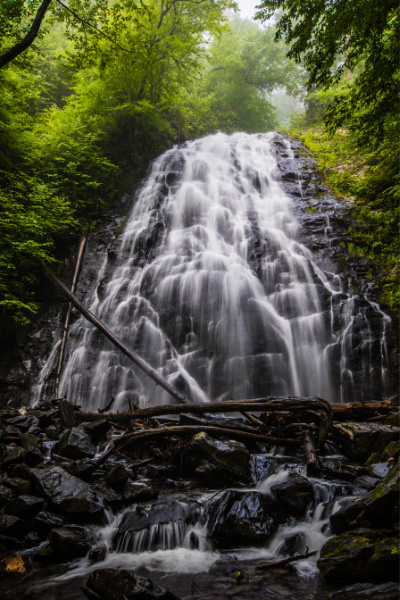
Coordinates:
(362, 177)
(245, 67)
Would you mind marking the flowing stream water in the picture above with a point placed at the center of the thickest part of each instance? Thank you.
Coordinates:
(212, 288)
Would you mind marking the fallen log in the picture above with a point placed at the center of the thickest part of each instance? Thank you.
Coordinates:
(139, 436)
(286, 561)
(362, 411)
(68, 315)
(260, 404)
(109, 335)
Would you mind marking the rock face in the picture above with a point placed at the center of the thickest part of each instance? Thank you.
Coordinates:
(242, 518)
(360, 440)
(110, 584)
(362, 555)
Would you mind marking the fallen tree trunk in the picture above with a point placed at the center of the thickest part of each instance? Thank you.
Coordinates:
(68, 315)
(148, 434)
(259, 404)
(286, 561)
(109, 335)
(355, 411)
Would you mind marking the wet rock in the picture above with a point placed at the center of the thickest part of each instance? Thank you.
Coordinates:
(83, 469)
(5, 494)
(98, 553)
(13, 526)
(366, 591)
(69, 542)
(345, 518)
(67, 493)
(359, 440)
(214, 460)
(10, 455)
(8, 543)
(391, 452)
(45, 521)
(97, 429)
(25, 423)
(381, 506)
(162, 525)
(294, 494)
(379, 469)
(24, 506)
(242, 518)
(293, 544)
(117, 476)
(340, 470)
(136, 491)
(75, 443)
(19, 485)
(362, 555)
(113, 584)
(366, 482)
(393, 418)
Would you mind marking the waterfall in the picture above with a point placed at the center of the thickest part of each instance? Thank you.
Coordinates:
(213, 289)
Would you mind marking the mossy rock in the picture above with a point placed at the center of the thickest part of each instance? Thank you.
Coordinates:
(359, 440)
(361, 556)
(366, 591)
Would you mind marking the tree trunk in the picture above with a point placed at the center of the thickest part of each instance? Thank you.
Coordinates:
(109, 335)
(68, 315)
(30, 37)
(148, 434)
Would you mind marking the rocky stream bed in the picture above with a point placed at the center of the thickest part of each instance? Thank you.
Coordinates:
(197, 516)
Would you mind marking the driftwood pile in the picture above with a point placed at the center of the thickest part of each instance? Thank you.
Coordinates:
(283, 422)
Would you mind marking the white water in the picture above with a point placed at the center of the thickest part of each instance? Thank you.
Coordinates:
(180, 555)
(213, 290)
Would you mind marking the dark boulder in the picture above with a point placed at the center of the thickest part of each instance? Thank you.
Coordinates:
(112, 584)
(75, 443)
(161, 525)
(13, 526)
(69, 542)
(294, 494)
(24, 506)
(215, 461)
(242, 518)
(67, 493)
(117, 476)
(362, 555)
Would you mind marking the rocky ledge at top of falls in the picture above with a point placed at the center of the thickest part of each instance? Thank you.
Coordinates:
(324, 229)
(57, 484)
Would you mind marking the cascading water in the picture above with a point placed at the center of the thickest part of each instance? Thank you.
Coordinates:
(213, 290)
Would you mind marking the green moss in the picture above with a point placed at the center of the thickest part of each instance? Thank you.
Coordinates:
(120, 229)
(367, 179)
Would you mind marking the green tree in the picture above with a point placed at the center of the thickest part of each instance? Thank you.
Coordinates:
(244, 68)
(333, 39)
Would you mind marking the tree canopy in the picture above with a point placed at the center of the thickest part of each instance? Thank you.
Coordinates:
(100, 90)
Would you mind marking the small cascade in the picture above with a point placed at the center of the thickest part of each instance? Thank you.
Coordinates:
(210, 285)
(161, 526)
